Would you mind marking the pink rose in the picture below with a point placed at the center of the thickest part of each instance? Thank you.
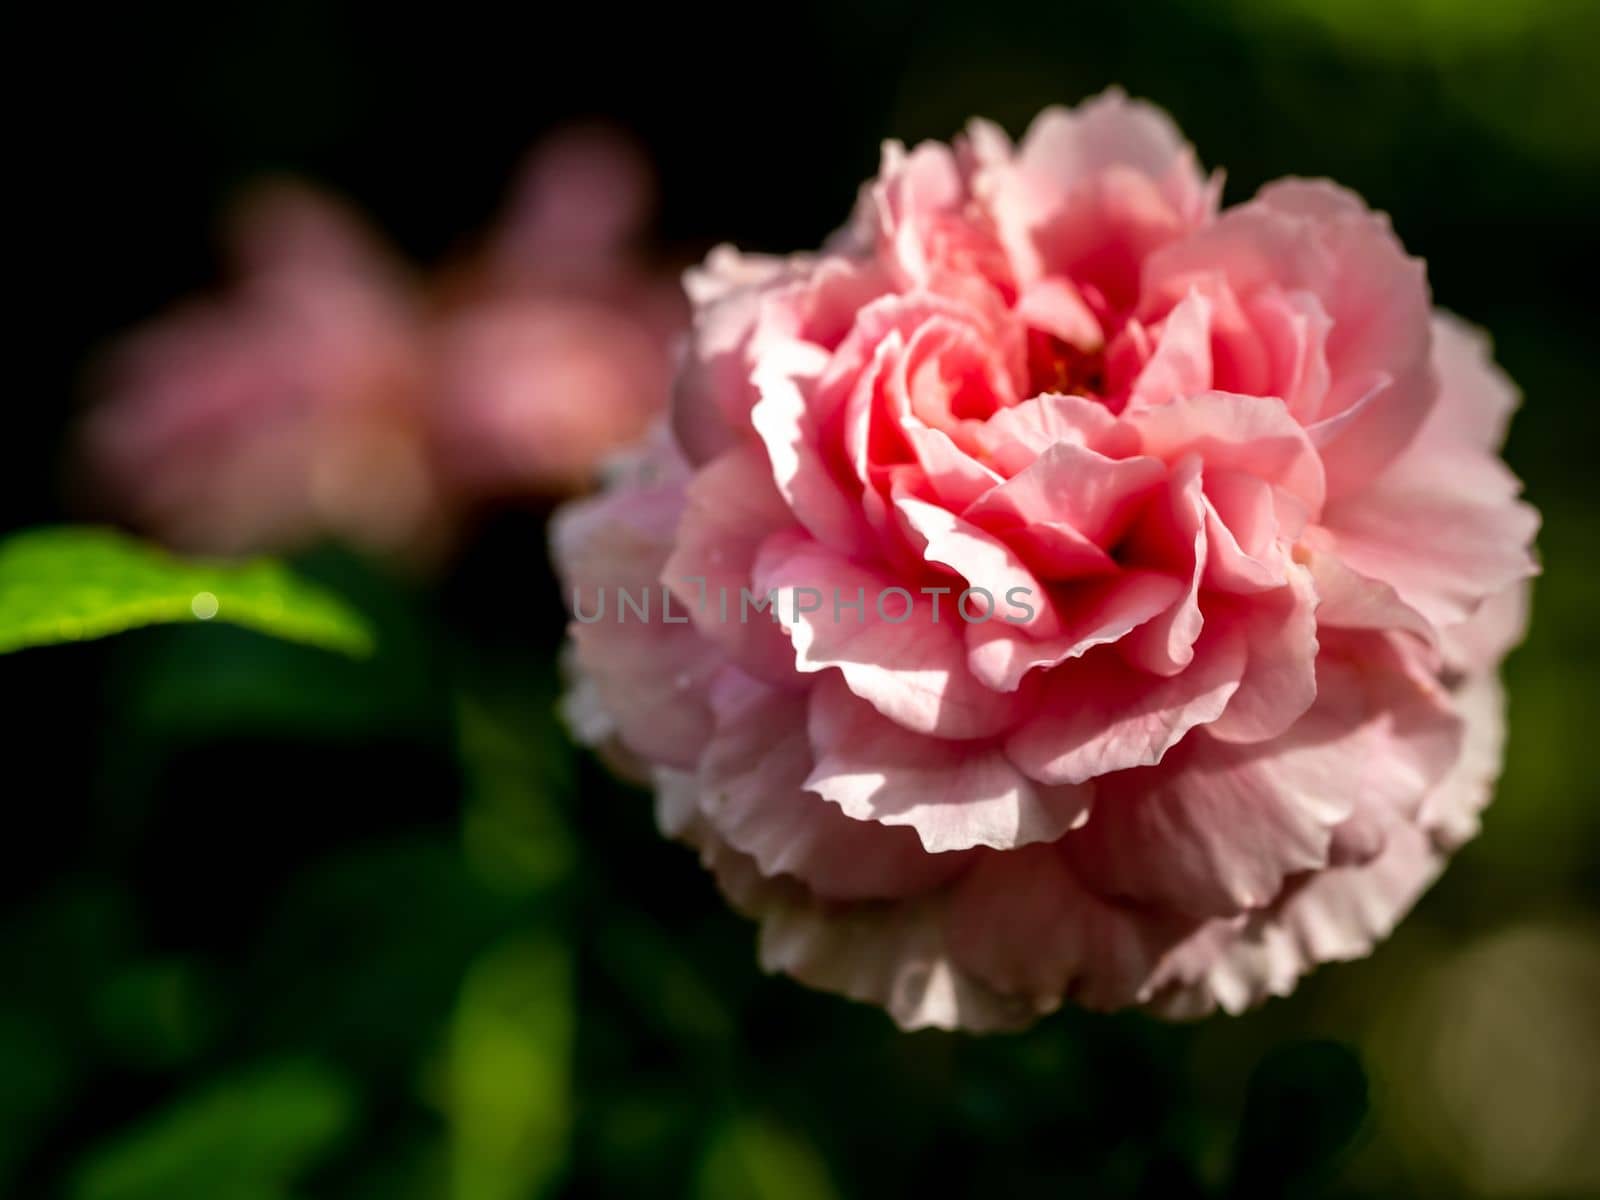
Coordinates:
(330, 392)
(562, 353)
(1199, 563)
(286, 409)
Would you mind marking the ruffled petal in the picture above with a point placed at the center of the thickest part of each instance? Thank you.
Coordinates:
(956, 795)
(1024, 924)
(651, 677)
(732, 508)
(1216, 829)
(1096, 714)
(752, 781)
(911, 667)
(1279, 682)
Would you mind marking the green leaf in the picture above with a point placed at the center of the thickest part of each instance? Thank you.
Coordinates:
(245, 1138)
(752, 1158)
(65, 584)
(510, 1074)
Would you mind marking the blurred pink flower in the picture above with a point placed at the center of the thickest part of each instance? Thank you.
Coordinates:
(563, 352)
(1226, 558)
(329, 392)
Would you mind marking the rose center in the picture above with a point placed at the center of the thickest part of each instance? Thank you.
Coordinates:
(1058, 367)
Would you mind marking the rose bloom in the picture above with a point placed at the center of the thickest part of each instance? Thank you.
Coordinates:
(1248, 480)
(329, 391)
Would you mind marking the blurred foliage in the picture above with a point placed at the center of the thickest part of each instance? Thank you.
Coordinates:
(283, 923)
(67, 584)
(246, 1138)
(1518, 69)
(750, 1159)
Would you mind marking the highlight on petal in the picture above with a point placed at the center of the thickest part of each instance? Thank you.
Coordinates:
(911, 669)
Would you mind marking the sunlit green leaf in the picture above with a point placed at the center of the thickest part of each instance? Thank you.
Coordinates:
(65, 584)
(509, 1089)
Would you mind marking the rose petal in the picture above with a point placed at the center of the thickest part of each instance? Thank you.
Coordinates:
(956, 795)
(752, 780)
(1096, 714)
(732, 508)
(1023, 923)
(913, 670)
(1181, 364)
(1279, 682)
(1216, 829)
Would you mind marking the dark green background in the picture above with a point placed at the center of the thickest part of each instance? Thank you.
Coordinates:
(281, 925)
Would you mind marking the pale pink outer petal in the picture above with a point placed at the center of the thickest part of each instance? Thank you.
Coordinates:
(1476, 398)
(1069, 145)
(1341, 913)
(1442, 526)
(1025, 925)
(956, 795)
(1498, 625)
(651, 677)
(1413, 736)
(752, 780)
(1451, 810)
(732, 508)
(744, 304)
(895, 956)
(584, 713)
(1444, 535)
(891, 955)
(1349, 600)
(1216, 829)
